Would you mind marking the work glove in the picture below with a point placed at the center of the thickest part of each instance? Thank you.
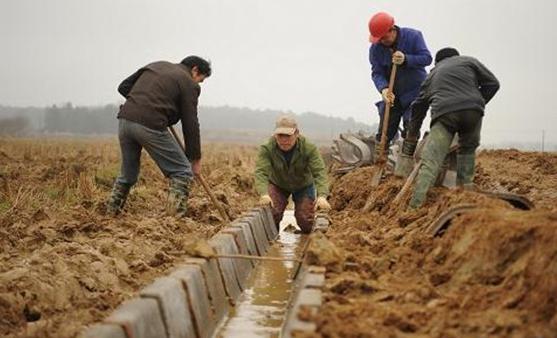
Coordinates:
(322, 204)
(265, 200)
(388, 96)
(398, 57)
(409, 147)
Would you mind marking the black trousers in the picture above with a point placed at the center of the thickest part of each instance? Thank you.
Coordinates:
(468, 125)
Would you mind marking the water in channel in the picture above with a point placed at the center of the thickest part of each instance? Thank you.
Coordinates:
(261, 309)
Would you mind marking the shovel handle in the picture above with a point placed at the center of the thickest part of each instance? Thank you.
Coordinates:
(386, 117)
(259, 258)
(408, 182)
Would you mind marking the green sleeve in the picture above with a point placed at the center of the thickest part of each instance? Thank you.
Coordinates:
(262, 169)
(317, 168)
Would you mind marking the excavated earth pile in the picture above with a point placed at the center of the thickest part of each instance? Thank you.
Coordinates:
(63, 263)
(492, 273)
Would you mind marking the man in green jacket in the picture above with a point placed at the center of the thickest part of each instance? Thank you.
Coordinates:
(288, 164)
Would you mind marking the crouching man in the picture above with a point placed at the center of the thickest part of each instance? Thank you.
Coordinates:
(288, 164)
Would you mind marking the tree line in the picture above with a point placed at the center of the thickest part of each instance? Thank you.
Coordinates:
(81, 120)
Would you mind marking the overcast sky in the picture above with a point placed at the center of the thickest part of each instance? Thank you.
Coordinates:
(296, 55)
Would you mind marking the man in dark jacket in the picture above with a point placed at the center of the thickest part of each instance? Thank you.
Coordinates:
(406, 48)
(288, 164)
(158, 96)
(456, 90)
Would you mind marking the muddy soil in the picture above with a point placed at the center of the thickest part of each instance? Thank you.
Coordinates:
(492, 274)
(63, 262)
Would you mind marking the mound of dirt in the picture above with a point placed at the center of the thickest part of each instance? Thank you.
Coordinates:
(493, 272)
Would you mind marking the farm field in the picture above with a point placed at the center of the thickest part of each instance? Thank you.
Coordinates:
(64, 264)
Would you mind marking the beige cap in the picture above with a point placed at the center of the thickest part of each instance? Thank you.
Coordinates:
(286, 125)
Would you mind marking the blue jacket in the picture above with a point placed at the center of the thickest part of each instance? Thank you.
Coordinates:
(410, 75)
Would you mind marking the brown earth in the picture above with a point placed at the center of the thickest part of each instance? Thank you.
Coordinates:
(492, 274)
(63, 263)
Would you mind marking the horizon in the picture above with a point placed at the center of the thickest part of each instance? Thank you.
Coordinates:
(298, 56)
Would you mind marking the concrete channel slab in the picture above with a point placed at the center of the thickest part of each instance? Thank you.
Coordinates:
(198, 298)
(250, 240)
(258, 232)
(270, 221)
(140, 318)
(172, 300)
(314, 280)
(227, 269)
(241, 266)
(104, 331)
(241, 243)
(321, 223)
(213, 282)
(259, 214)
(309, 298)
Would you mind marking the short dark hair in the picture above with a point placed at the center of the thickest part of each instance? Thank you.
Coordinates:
(203, 66)
(445, 53)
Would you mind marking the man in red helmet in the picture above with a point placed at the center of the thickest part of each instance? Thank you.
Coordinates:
(405, 47)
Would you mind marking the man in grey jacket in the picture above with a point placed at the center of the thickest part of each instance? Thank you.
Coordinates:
(457, 90)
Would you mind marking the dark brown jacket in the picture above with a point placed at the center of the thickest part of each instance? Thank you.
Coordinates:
(159, 95)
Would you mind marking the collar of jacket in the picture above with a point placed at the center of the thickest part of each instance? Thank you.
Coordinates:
(297, 146)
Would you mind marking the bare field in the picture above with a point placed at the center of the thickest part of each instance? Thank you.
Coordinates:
(64, 264)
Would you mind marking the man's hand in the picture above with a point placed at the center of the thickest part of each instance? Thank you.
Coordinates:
(398, 57)
(196, 167)
(265, 200)
(322, 204)
(388, 97)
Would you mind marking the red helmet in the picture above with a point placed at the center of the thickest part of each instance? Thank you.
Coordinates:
(379, 25)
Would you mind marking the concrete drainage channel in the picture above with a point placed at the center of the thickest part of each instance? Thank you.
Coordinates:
(227, 297)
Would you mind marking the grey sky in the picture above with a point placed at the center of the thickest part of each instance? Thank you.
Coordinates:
(297, 55)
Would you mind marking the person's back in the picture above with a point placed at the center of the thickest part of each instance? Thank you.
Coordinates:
(454, 84)
(155, 99)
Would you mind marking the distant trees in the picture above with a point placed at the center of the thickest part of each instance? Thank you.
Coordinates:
(14, 126)
(220, 121)
(80, 120)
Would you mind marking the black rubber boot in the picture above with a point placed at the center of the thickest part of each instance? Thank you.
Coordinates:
(465, 165)
(178, 197)
(117, 198)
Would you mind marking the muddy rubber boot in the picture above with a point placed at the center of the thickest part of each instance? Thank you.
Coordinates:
(434, 153)
(405, 159)
(117, 198)
(465, 165)
(178, 197)
(424, 181)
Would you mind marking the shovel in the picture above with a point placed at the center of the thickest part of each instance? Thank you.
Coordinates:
(201, 180)
(381, 160)
(202, 249)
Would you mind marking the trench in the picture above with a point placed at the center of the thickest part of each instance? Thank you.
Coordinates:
(262, 308)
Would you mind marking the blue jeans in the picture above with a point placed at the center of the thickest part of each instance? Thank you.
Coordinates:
(160, 145)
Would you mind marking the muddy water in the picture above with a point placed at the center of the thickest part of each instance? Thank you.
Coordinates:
(261, 309)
